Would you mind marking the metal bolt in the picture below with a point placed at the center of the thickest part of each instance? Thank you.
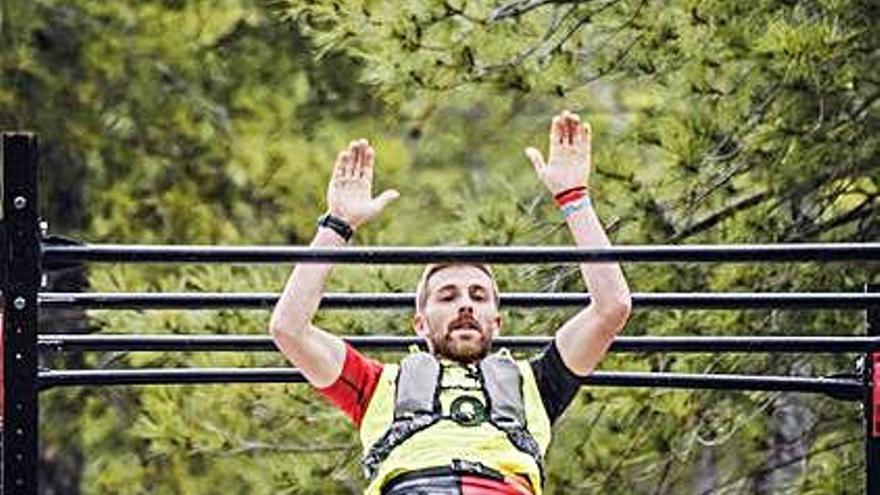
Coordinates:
(19, 202)
(19, 303)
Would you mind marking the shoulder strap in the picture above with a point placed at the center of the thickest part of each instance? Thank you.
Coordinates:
(503, 384)
(415, 395)
(416, 403)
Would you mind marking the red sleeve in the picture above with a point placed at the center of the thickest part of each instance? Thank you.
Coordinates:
(352, 391)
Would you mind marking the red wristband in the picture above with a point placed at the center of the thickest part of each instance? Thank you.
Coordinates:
(567, 196)
(566, 191)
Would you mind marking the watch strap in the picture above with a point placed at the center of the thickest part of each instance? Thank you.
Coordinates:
(337, 225)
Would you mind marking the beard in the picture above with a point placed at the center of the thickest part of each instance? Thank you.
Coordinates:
(463, 346)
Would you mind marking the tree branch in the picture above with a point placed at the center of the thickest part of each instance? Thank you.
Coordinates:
(720, 215)
(865, 208)
(520, 57)
(781, 465)
(520, 7)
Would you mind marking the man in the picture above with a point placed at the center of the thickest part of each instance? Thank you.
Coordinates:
(457, 420)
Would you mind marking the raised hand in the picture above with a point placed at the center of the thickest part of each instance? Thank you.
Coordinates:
(569, 161)
(350, 193)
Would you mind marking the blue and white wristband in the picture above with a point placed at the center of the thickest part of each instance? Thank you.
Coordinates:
(573, 206)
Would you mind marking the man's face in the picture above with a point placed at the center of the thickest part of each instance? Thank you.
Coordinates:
(460, 317)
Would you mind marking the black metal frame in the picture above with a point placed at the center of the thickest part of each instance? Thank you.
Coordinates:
(21, 279)
(25, 254)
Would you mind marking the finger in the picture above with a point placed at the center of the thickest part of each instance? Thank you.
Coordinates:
(556, 131)
(351, 157)
(569, 130)
(564, 127)
(350, 167)
(386, 197)
(367, 165)
(339, 165)
(344, 164)
(563, 124)
(361, 151)
(363, 144)
(588, 138)
(575, 127)
(563, 130)
(537, 160)
(578, 136)
(356, 159)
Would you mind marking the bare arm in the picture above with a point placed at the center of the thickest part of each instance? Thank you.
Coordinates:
(585, 338)
(316, 352)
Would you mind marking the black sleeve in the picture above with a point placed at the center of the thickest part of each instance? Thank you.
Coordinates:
(557, 384)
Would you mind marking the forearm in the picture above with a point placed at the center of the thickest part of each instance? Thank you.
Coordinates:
(304, 290)
(605, 281)
(585, 338)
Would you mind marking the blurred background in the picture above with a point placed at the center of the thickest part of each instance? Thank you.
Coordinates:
(217, 122)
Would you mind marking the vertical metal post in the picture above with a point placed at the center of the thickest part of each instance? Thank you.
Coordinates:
(21, 279)
(871, 373)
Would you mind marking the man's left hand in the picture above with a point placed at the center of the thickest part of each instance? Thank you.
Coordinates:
(570, 149)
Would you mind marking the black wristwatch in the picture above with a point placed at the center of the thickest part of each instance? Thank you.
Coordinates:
(336, 224)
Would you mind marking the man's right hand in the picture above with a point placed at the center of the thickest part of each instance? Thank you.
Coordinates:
(350, 193)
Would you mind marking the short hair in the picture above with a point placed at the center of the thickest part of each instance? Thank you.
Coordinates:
(431, 269)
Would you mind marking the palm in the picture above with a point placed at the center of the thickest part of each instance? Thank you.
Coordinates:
(351, 199)
(350, 193)
(568, 163)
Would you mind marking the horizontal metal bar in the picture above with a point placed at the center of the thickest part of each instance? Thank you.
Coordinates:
(168, 376)
(260, 343)
(223, 300)
(839, 388)
(118, 253)
(842, 388)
